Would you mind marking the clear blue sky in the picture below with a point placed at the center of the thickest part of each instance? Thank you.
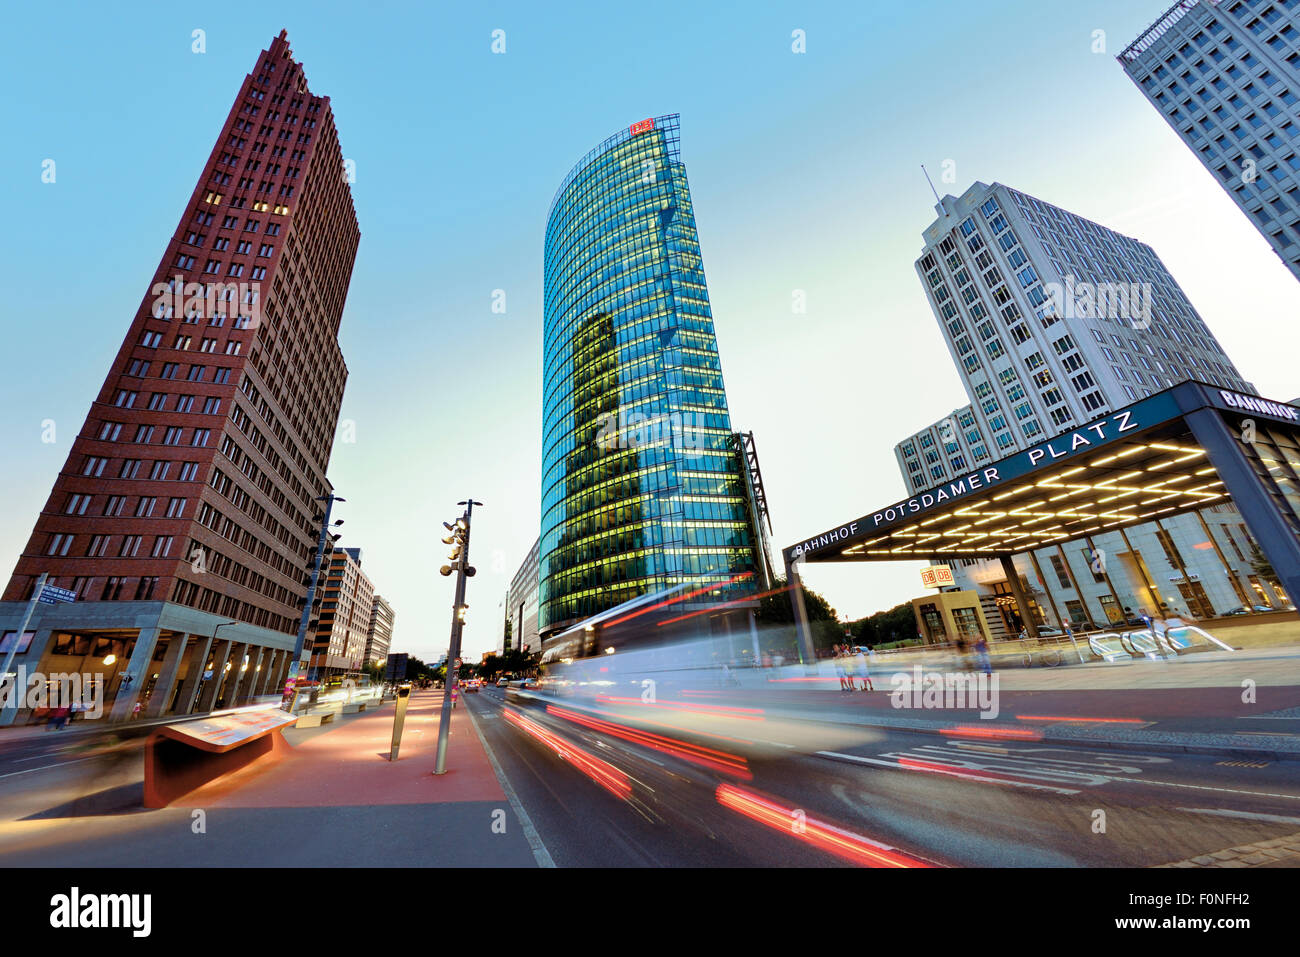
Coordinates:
(805, 173)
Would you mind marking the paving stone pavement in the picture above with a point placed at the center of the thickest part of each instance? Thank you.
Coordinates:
(1279, 852)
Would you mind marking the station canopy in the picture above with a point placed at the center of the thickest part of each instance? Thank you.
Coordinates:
(1137, 464)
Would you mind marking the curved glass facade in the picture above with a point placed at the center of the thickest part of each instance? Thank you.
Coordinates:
(641, 488)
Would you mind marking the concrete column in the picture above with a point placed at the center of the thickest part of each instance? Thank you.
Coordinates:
(1243, 594)
(138, 668)
(199, 649)
(1047, 588)
(209, 694)
(1119, 605)
(1259, 505)
(249, 689)
(272, 668)
(226, 688)
(1018, 593)
(803, 633)
(1069, 573)
(167, 672)
(1152, 593)
(282, 671)
(239, 678)
(264, 658)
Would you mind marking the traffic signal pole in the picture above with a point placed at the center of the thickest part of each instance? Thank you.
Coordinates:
(463, 571)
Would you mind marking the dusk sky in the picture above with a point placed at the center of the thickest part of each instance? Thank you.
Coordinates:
(805, 174)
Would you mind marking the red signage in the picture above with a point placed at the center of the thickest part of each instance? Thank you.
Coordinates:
(642, 126)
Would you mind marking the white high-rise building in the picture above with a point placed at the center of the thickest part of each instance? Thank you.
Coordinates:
(1225, 74)
(1052, 321)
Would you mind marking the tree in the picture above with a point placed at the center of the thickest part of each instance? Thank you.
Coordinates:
(776, 609)
(777, 613)
(885, 626)
(1262, 567)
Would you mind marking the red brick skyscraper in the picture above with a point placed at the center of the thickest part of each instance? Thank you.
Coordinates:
(189, 497)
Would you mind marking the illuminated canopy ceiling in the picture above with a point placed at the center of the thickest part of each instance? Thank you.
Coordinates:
(1134, 465)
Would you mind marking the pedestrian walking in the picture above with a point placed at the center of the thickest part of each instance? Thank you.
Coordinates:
(864, 672)
(982, 651)
(846, 683)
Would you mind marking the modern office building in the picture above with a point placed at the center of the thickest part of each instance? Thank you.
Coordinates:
(642, 488)
(347, 607)
(1052, 321)
(1225, 75)
(186, 513)
(380, 635)
(521, 605)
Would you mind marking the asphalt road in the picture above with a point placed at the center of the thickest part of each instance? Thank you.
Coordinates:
(876, 796)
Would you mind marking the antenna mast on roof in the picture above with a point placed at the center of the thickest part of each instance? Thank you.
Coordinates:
(931, 182)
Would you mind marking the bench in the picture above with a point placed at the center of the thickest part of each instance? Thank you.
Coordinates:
(180, 758)
(316, 720)
(356, 708)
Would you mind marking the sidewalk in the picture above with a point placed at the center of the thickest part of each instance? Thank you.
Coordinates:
(335, 800)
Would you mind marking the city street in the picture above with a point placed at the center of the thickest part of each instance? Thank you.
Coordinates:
(951, 801)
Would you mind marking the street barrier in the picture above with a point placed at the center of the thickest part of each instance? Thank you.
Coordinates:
(180, 758)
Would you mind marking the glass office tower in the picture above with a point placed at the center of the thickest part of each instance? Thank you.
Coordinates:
(641, 487)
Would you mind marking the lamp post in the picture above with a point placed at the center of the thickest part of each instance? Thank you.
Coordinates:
(458, 538)
(329, 500)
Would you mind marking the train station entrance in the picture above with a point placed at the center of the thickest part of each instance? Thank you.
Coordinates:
(1181, 450)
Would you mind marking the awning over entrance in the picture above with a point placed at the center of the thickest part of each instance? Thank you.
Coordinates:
(1182, 449)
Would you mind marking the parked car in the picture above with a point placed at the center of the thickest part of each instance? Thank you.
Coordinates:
(1243, 610)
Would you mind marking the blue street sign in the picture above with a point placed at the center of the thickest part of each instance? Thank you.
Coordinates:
(51, 594)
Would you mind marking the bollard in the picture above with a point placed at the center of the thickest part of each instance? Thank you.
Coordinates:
(399, 716)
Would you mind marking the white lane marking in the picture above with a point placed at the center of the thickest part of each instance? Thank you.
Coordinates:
(1206, 787)
(1248, 815)
(540, 853)
(1265, 717)
(951, 773)
(1025, 763)
(48, 766)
